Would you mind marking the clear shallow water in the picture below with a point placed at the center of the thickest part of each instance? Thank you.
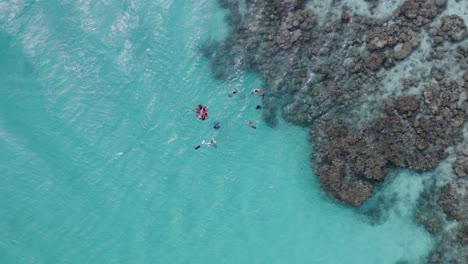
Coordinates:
(97, 158)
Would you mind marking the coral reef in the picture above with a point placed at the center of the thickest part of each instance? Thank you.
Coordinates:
(443, 211)
(332, 76)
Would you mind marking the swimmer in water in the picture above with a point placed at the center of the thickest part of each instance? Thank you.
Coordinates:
(233, 92)
(203, 114)
(199, 108)
(251, 124)
(258, 107)
(216, 125)
(198, 146)
(212, 143)
(256, 91)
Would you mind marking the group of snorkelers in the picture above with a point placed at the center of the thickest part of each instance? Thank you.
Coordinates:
(202, 113)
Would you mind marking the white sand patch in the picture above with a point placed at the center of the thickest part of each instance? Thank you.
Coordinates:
(386, 8)
(323, 9)
(444, 172)
(327, 9)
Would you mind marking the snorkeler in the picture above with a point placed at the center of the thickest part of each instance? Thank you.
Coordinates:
(256, 91)
(233, 92)
(251, 124)
(199, 108)
(198, 146)
(212, 143)
(203, 113)
(216, 125)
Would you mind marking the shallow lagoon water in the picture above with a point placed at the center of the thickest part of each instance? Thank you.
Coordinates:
(98, 160)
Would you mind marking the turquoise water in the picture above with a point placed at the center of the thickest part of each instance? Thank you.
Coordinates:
(97, 150)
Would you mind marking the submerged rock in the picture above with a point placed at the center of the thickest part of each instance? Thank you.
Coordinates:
(410, 9)
(402, 51)
(376, 40)
(454, 202)
(461, 166)
(454, 27)
(407, 103)
(375, 60)
(440, 2)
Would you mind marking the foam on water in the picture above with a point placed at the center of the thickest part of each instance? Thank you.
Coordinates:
(97, 151)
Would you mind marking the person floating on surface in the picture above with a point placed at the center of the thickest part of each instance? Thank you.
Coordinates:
(256, 91)
(199, 108)
(212, 143)
(233, 92)
(203, 113)
(251, 124)
(198, 146)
